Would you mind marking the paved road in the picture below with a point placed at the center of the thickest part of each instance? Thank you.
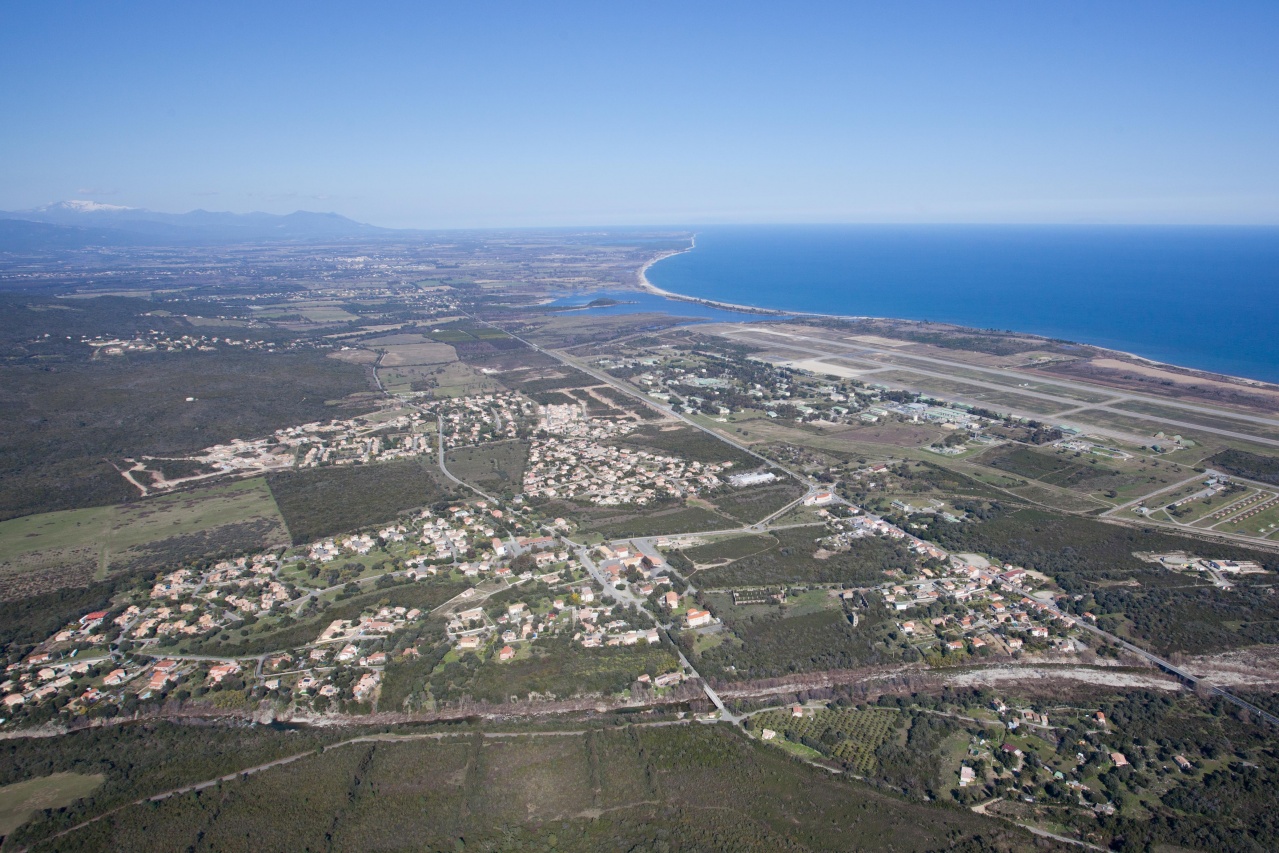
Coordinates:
(625, 596)
(605, 379)
(1144, 498)
(439, 438)
(622, 596)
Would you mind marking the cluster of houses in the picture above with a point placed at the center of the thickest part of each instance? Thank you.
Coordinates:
(194, 603)
(483, 417)
(461, 530)
(337, 442)
(403, 437)
(990, 759)
(345, 644)
(328, 550)
(989, 619)
(42, 675)
(578, 463)
(190, 603)
(155, 341)
(576, 613)
(386, 620)
(609, 626)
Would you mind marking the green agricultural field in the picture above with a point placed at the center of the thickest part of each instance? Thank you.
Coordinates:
(775, 643)
(318, 502)
(730, 548)
(625, 401)
(687, 443)
(754, 503)
(327, 314)
(1050, 467)
(793, 559)
(22, 799)
(872, 442)
(595, 407)
(571, 670)
(555, 379)
(446, 381)
(850, 736)
(496, 466)
(644, 521)
(552, 398)
(423, 353)
(71, 547)
(451, 336)
(1059, 498)
(949, 478)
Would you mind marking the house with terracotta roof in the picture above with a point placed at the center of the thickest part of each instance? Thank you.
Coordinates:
(221, 671)
(697, 618)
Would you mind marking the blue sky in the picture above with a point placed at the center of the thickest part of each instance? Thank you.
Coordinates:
(497, 113)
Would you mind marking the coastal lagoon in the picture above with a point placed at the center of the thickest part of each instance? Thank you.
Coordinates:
(1199, 297)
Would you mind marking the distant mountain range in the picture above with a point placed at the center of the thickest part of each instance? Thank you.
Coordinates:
(79, 223)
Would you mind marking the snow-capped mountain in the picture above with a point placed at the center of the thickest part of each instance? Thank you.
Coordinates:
(80, 206)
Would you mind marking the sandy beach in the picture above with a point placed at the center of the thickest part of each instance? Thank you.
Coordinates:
(649, 287)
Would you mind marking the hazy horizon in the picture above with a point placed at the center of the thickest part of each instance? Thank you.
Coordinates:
(694, 226)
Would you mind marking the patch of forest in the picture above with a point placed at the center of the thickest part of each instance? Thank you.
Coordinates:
(678, 789)
(60, 424)
(1250, 466)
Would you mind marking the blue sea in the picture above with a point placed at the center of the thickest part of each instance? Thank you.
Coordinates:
(1203, 297)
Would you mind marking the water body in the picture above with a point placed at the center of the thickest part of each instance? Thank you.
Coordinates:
(1201, 297)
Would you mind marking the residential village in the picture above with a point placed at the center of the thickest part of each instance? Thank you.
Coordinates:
(519, 583)
(468, 421)
(155, 341)
(134, 652)
(575, 463)
(381, 437)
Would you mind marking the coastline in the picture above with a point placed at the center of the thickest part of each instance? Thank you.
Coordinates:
(647, 286)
